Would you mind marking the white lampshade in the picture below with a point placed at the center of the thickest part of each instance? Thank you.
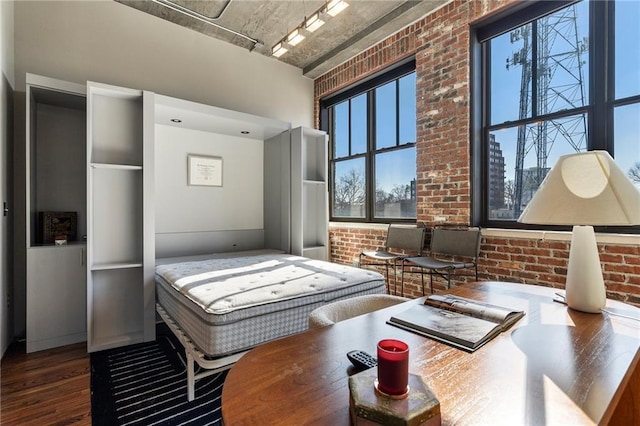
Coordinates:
(585, 189)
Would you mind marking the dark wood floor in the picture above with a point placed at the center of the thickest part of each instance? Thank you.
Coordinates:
(50, 387)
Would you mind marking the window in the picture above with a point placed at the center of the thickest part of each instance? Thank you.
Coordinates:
(372, 137)
(556, 78)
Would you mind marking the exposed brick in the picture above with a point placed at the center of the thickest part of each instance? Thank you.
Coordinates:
(440, 44)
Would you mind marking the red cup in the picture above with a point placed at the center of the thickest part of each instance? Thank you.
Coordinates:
(393, 367)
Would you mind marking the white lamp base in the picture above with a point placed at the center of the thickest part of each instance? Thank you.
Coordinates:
(585, 289)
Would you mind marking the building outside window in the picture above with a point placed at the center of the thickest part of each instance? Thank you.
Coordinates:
(557, 80)
(372, 137)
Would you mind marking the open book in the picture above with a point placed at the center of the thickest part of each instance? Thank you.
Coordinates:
(464, 323)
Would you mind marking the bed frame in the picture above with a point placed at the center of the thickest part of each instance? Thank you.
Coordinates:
(328, 284)
(194, 355)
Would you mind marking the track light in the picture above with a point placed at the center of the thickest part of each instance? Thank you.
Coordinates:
(279, 50)
(294, 37)
(336, 6)
(315, 21)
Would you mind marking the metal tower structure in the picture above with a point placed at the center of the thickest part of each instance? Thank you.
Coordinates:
(559, 84)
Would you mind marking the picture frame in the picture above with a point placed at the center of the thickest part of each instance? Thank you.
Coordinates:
(204, 170)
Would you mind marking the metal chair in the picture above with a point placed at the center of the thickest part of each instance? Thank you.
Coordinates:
(348, 308)
(402, 240)
(449, 245)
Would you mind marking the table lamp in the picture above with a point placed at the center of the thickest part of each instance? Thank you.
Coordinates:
(583, 190)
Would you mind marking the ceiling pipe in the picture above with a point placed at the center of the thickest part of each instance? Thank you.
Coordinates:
(207, 20)
(188, 10)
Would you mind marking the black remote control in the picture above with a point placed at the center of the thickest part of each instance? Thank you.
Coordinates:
(361, 360)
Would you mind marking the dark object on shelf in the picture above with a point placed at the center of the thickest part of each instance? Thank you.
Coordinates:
(52, 224)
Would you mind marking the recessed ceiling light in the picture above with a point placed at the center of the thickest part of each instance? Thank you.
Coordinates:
(176, 120)
(245, 132)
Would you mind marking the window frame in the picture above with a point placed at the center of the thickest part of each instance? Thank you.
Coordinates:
(369, 85)
(601, 104)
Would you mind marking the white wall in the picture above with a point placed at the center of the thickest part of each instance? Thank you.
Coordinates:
(109, 42)
(6, 139)
(236, 205)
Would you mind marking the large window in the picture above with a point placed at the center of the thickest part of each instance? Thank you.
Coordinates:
(556, 78)
(372, 139)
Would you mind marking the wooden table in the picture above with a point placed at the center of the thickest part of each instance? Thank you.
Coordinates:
(555, 366)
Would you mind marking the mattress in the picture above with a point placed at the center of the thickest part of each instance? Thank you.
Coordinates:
(231, 303)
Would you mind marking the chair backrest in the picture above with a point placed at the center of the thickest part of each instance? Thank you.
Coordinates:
(456, 242)
(405, 237)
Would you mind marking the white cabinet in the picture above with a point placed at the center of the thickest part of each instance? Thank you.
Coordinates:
(56, 295)
(120, 240)
(296, 193)
(55, 182)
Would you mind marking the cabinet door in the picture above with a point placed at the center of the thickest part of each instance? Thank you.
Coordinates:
(56, 296)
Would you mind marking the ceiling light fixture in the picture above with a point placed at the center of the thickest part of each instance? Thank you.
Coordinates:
(315, 21)
(295, 37)
(336, 6)
(279, 50)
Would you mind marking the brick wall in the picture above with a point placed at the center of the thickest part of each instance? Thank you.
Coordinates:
(440, 44)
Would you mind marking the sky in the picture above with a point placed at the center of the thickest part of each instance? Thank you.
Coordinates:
(506, 87)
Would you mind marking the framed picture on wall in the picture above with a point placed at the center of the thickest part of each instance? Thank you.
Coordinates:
(204, 170)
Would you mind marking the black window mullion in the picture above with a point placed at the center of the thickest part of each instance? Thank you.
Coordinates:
(534, 69)
(350, 152)
(397, 111)
(371, 146)
(599, 117)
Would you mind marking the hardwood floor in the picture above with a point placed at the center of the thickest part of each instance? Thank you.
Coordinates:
(50, 387)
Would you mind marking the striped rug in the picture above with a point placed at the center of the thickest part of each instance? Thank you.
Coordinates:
(146, 384)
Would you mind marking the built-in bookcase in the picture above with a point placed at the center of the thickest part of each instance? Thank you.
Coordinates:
(120, 288)
(309, 193)
(55, 162)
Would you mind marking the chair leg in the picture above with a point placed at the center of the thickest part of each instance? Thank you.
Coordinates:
(395, 279)
(422, 279)
(386, 268)
(402, 279)
(431, 281)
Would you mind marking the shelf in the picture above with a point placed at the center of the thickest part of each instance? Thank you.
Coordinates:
(100, 344)
(116, 216)
(115, 310)
(48, 246)
(314, 182)
(115, 166)
(115, 126)
(112, 266)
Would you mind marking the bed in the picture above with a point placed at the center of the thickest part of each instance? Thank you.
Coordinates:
(222, 305)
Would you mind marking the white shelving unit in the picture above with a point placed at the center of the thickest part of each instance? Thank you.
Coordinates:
(120, 251)
(55, 181)
(309, 193)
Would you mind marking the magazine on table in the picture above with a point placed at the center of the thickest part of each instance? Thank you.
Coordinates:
(464, 323)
